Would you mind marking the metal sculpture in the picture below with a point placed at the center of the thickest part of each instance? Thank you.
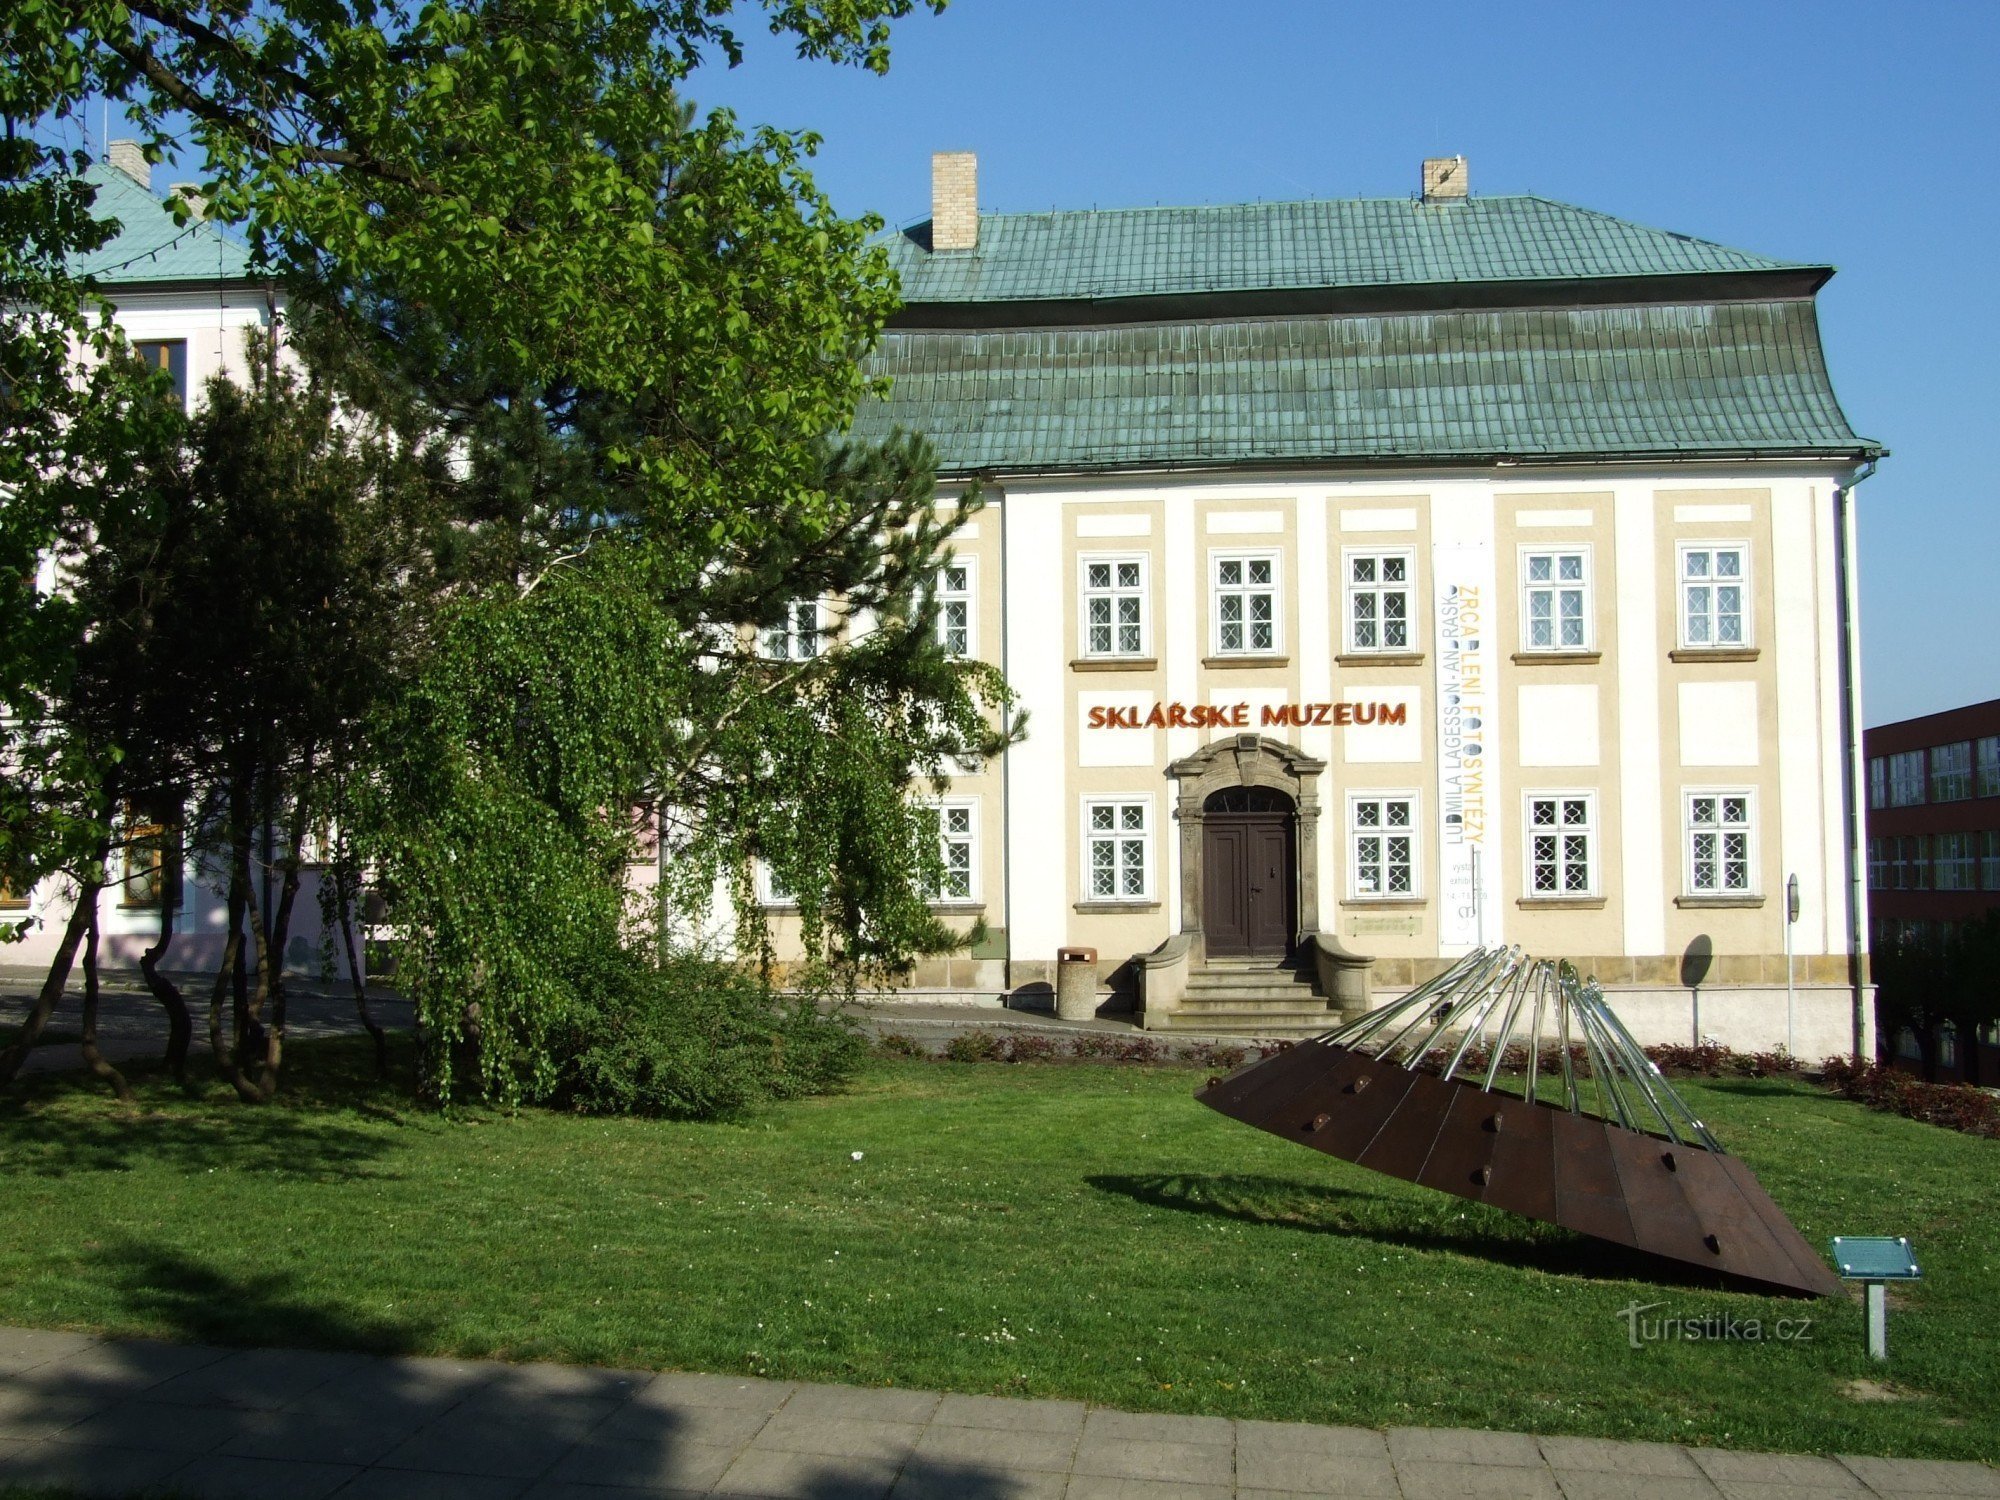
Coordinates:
(1422, 1089)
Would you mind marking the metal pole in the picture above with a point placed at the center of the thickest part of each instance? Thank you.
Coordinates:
(1791, 1008)
(1878, 1320)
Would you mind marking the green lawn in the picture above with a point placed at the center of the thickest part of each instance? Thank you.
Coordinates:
(1080, 1231)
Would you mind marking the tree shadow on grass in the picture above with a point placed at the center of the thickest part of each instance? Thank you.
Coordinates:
(287, 1144)
(1484, 1233)
(199, 1303)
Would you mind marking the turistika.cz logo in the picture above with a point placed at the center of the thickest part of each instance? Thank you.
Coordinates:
(1641, 1330)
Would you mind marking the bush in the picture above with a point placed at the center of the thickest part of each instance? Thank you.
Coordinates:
(697, 1039)
(1955, 1106)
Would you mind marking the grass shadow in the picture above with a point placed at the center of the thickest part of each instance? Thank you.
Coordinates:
(1282, 1203)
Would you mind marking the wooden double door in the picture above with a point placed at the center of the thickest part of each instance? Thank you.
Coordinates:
(1250, 876)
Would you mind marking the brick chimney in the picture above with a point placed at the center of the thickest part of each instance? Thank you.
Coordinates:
(191, 194)
(954, 200)
(129, 157)
(1444, 178)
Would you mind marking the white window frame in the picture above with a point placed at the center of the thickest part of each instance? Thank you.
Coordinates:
(1589, 830)
(1218, 591)
(1555, 587)
(1951, 772)
(1989, 860)
(966, 598)
(1359, 833)
(1112, 593)
(1986, 766)
(1955, 862)
(787, 642)
(1878, 781)
(1683, 585)
(1379, 589)
(1718, 827)
(968, 839)
(1119, 835)
(1878, 864)
(1908, 779)
(769, 893)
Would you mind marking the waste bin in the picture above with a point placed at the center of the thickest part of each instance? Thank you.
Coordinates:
(1076, 983)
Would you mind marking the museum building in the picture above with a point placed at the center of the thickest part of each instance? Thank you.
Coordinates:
(1387, 577)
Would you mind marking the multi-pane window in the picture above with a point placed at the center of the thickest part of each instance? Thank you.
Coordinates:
(1378, 601)
(1246, 605)
(1989, 860)
(1878, 781)
(1114, 606)
(1954, 863)
(1987, 777)
(1906, 778)
(1555, 597)
(1562, 845)
(954, 602)
(1713, 588)
(170, 357)
(1383, 833)
(958, 851)
(1118, 845)
(1951, 772)
(143, 882)
(797, 636)
(1718, 826)
(1878, 864)
(1917, 856)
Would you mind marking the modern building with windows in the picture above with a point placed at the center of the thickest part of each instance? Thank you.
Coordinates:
(1388, 577)
(1934, 843)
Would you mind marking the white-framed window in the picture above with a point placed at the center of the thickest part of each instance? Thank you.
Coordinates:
(1715, 594)
(1951, 772)
(1878, 781)
(1555, 598)
(958, 849)
(1380, 601)
(1118, 849)
(1562, 844)
(1989, 860)
(1382, 845)
(957, 606)
(1721, 859)
(798, 636)
(1955, 862)
(1878, 864)
(1114, 606)
(1987, 775)
(1917, 851)
(1246, 603)
(1906, 778)
(772, 891)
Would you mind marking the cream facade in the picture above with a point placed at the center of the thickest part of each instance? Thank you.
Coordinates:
(1631, 720)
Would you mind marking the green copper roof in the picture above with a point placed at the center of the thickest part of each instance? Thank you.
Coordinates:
(1736, 379)
(149, 246)
(1339, 243)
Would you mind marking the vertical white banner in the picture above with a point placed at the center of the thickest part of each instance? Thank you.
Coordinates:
(1468, 879)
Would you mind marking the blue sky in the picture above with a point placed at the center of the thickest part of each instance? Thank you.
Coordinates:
(1861, 135)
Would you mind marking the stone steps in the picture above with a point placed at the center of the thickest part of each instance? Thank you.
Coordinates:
(1233, 998)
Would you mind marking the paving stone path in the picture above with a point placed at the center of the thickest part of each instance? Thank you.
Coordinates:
(125, 1418)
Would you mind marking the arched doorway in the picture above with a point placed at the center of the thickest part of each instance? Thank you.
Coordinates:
(1239, 766)
(1249, 856)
